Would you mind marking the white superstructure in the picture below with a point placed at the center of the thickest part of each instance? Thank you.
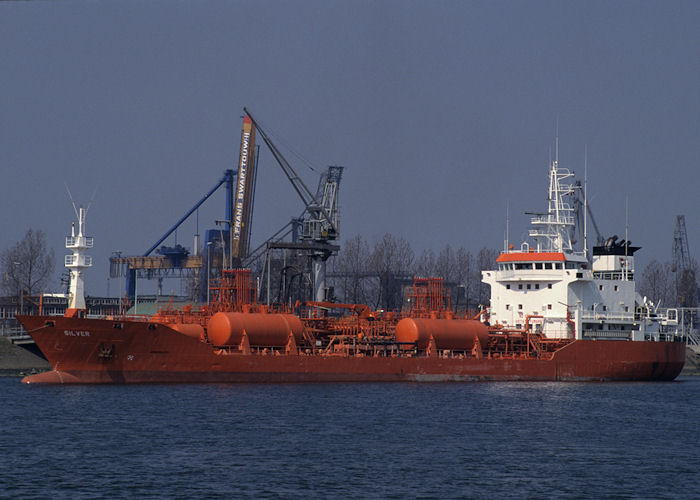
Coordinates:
(77, 262)
(550, 287)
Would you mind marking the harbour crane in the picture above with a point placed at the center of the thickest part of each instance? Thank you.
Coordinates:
(240, 191)
(320, 221)
(686, 284)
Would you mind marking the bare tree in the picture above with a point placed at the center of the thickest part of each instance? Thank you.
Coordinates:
(464, 276)
(445, 265)
(485, 260)
(687, 286)
(657, 284)
(352, 270)
(446, 268)
(425, 265)
(392, 262)
(28, 265)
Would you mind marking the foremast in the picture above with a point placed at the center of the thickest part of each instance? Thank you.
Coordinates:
(77, 262)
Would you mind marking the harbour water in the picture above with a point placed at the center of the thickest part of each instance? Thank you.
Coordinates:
(469, 440)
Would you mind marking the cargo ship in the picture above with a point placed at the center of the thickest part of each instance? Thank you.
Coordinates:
(555, 314)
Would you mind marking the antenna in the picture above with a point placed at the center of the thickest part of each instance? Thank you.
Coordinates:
(92, 198)
(507, 225)
(585, 201)
(556, 146)
(627, 219)
(75, 209)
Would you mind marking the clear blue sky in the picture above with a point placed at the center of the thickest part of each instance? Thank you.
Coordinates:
(440, 111)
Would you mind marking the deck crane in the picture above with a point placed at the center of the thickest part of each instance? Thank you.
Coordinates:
(320, 224)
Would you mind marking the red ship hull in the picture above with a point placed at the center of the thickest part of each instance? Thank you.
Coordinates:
(95, 351)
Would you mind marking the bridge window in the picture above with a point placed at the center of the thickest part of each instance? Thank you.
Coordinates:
(548, 265)
(538, 265)
(537, 286)
(558, 265)
(507, 287)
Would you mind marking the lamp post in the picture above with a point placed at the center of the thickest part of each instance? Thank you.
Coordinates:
(136, 291)
(120, 286)
(209, 243)
(230, 237)
(19, 287)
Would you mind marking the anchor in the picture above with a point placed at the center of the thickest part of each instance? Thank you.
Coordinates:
(104, 352)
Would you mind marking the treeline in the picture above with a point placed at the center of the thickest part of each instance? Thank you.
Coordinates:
(377, 273)
(666, 286)
(373, 273)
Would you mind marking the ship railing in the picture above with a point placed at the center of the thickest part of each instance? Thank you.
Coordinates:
(138, 317)
(667, 317)
(607, 316)
(614, 275)
(692, 337)
(556, 333)
(529, 274)
(71, 260)
(116, 317)
(74, 241)
(607, 334)
(543, 248)
(686, 321)
(553, 219)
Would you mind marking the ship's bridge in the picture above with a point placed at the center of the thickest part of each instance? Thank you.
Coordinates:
(531, 265)
(528, 283)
